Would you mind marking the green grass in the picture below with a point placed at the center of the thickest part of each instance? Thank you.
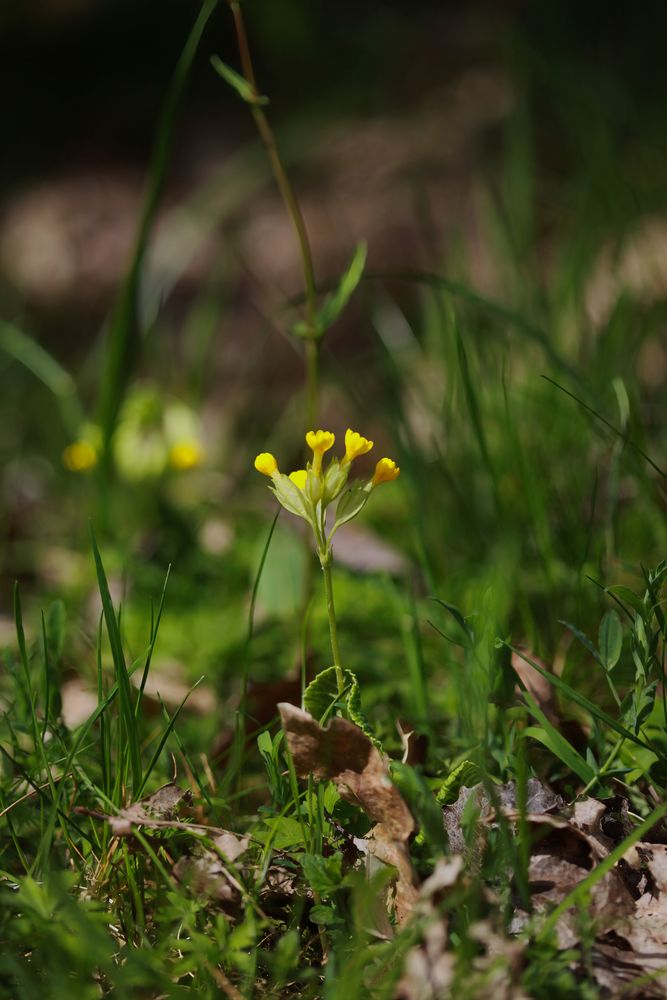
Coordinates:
(530, 514)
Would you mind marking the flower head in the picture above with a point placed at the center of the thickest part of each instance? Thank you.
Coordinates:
(299, 477)
(79, 456)
(186, 454)
(355, 445)
(319, 441)
(385, 472)
(266, 464)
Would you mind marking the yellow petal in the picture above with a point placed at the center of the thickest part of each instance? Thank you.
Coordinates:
(266, 463)
(320, 441)
(355, 445)
(299, 477)
(385, 471)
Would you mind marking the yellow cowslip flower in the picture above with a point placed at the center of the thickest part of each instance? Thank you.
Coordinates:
(355, 445)
(319, 441)
(186, 454)
(266, 464)
(385, 471)
(299, 477)
(79, 456)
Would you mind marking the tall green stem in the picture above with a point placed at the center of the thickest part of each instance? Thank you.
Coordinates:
(294, 212)
(325, 560)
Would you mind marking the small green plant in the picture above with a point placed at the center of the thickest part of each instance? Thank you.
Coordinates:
(309, 492)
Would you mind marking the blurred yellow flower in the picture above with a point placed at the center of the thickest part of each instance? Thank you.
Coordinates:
(299, 478)
(355, 445)
(266, 463)
(385, 471)
(187, 454)
(79, 456)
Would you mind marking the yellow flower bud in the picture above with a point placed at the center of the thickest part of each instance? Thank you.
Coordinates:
(385, 471)
(186, 454)
(299, 478)
(355, 445)
(266, 464)
(79, 456)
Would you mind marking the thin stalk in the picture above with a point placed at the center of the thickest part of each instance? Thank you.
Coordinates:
(312, 350)
(333, 631)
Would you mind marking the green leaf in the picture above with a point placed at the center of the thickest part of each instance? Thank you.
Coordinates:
(324, 916)
(283, 832)
(321, 696)
(456, 614)
(336, 302)
(351, 503)
(291, 497)
(465, 775)
(554, 741)
(122, 676)
(582, 701)
(610, 639)
(629, 597)
(324, 874)
(239, 83)
(638, 705)
(583, 639)
(22, 348)
(354, 709)
(422, 803)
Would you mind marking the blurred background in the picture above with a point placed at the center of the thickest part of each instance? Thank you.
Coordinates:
(504, 162)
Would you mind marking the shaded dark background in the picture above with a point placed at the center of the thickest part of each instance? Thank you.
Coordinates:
(84, 80)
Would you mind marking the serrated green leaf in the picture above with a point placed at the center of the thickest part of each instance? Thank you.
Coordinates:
(323, 874)
(355, 712)
(336, 302)
(610, 639)
(321, 696)
(465, 775)
(283, 832)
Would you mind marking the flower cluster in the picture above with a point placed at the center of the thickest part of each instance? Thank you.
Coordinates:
(154, 434)
(308, 492)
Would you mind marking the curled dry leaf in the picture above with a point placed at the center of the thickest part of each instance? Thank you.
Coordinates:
(539, 799)
(205, 872)
(342, 753)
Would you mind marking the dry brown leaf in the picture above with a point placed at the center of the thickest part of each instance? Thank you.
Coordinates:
(342, 753)
(158, 810)
(205, 873)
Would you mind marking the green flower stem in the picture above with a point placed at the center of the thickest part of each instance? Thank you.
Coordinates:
(325, 560)
(294, 211)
